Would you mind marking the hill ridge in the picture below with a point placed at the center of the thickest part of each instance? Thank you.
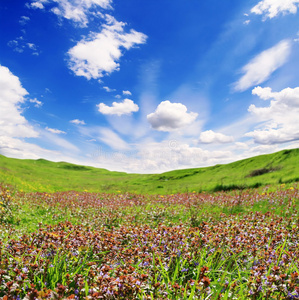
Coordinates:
(44, 175)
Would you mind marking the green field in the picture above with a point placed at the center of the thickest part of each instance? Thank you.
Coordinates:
(46, 176)
(174, 235)
(239, 244)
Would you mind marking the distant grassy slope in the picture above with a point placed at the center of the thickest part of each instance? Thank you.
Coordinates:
(43, 175)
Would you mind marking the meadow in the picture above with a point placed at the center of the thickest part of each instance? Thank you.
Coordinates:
(238, 244)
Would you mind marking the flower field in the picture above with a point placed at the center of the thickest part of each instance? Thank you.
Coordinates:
(225, 245)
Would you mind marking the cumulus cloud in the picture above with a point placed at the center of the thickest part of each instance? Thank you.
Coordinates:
(170, 116)
(274, 136)
(74, 10)
(77, 122)
(56, 131)
(37, 4)
(99, 53)
(263, 65)
(12, 95)
(118, 108)
(209, 137)
(280, 118)
(271, 8)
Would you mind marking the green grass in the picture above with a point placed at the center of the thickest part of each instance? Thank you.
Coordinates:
(46, 176)
(209, 237)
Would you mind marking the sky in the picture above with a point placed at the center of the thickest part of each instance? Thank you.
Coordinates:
(148, 86)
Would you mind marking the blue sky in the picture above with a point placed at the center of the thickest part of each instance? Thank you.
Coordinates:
(148, 86)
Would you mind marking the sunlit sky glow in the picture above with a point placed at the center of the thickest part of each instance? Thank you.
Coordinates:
(148, 86)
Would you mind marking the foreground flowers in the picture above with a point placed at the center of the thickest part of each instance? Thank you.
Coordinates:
(252, 255)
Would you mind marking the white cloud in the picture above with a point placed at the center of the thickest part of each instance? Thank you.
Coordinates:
(242, 146)
(52, 137)
(74, 10)
(263, 65)
(170, 116)
(272, 8)
(77, 122)
(99, 53)
(246, 22)
(153, 157)
(31, 46)
(108, 90)
(280, 118)
(14, 128)
(37, 4)
(111, 139)
(274, 136)
(20, 45)
(209, 136)
(12, 95)
(23, 20)
(161, 157)
(36, 102)
(14, 147)
(55, 131)
(118, 108)
(128, 93)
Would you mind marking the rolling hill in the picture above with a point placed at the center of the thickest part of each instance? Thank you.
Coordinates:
(46, 176)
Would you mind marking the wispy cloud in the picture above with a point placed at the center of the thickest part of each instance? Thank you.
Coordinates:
(77, 122)
(260, 68)
(108, 90)
(20, 44)
(24, 20)
(77, 11)
(36, 102)
(56, 131)
(112, 139)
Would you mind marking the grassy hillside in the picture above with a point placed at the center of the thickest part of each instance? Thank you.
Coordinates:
(42, 175)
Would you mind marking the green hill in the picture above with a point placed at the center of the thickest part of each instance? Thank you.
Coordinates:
(46, 176)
